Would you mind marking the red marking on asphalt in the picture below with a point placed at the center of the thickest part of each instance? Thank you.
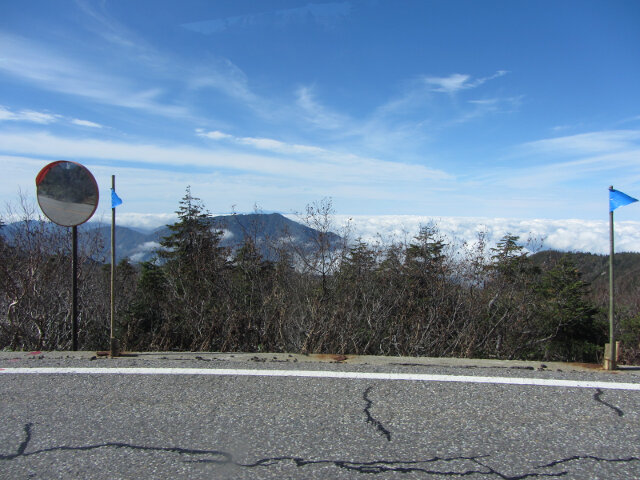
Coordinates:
(37, 352)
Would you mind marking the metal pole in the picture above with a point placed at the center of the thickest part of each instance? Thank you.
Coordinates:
(612, 337)
(113, 341)
(74, 288)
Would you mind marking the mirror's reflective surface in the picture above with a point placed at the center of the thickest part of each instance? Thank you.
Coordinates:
(67, 193)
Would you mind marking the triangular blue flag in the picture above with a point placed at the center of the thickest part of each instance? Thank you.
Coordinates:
(115, 199)
(619, 199)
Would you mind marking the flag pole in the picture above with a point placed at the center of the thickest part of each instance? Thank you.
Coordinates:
(113, 341)
(611, 365)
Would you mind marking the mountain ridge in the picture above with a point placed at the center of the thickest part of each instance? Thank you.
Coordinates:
(262, 228)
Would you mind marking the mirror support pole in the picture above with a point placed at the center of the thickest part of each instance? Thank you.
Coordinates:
(74, 288)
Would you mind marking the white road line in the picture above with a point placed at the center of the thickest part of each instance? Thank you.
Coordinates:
(415, 377)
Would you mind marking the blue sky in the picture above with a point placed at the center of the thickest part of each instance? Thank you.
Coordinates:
(486, 109)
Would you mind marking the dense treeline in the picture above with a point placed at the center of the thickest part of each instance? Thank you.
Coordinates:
(422, 297)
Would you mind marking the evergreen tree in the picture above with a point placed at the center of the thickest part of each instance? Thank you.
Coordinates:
(567, 318)
(359, 262)
(179, 298)
(511, 315)
(193, 242)
(427, 250)
(509, 258)
(144, 317)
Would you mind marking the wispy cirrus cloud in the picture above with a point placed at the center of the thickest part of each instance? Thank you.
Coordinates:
(323, 14)
(140, 63)
(224, 76)
(277, 146)
(449, 84)
(41, 118)
(100, 22)
(213, 135)
(458, 81)
(338, 165)
(287, 161)
(52, 71)
(486, 106)
(85, 123)
(576, 165)
(317, 114)
(417, 114)
(267, 144)
(607, 141)
(136, 70)
(120, 38)
(497, 103)
(408, 121)
(217, 73)
(629, 120)
(417, 99)
(29, 116)
(617, 168)
(134, 86)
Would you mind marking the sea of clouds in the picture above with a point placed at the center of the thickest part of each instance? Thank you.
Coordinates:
(564, 235)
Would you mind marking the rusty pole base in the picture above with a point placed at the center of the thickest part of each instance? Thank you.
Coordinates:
(609, 363)
(115, 347)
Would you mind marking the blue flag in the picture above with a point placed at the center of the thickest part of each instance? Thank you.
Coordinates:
(115, 199)
(619, 199)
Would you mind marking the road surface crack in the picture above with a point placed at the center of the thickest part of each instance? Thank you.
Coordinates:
(522, 476)
(589, 457)
(21, 452)
(458, 466)
(370, 419)
(377, 466)
(23, 445)
(596, 397)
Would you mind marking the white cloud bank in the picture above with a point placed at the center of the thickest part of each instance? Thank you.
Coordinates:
(145, 221)
(564, 235)
(143, 250)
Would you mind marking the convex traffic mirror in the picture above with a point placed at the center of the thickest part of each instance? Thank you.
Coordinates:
(67, 193)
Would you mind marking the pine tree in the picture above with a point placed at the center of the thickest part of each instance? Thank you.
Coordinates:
(568, 319)
(510, 320)
(185, 288)
(193, 242)
(359, 262)
(426, 253)
(509, 259)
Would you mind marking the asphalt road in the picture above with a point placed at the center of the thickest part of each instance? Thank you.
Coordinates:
(108, 426)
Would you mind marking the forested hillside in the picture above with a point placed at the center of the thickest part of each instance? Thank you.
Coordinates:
(324, 294)
(136, 246)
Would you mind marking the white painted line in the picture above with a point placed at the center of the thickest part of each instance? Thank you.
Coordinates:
(415, 377)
